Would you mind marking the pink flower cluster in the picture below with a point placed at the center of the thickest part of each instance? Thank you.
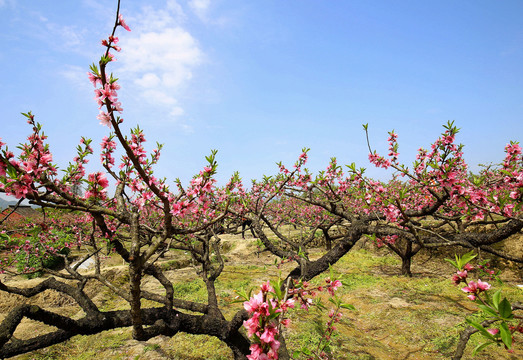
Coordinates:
(379, 161)
(106, 94)
(108, 146)
(393, 147)
(98, 185)
(264, 321)
(472, 288)
(33, 164)
(332, 286)
(386, 240)
(199, 196)
(267, 313)
(475, 288)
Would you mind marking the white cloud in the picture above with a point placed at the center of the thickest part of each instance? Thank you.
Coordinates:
(161, 56)
(148, 80)
(158, 97)
(154, 19)
(200, 8)
(176, 111)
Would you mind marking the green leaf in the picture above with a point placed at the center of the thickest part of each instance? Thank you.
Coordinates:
(242, 295)
(453, 263)
(370, 237)
(320, 306)
(331, 300)
(11, 171)
(505, 309)
(481, 329)
(495, 299)
(466, 258)
(331, 271)
(306, 351)
(481, 347)
(277, 289)
(28, 115)
(488, 310)
(506, 335)
(347, 306)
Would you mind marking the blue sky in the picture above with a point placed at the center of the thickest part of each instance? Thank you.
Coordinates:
(260, 80)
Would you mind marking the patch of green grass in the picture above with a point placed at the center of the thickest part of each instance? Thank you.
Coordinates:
(347, 342)
(175, 264)
(358, 281)
(445, 343)
(365, 260)
(150, 347)
(197, 347)
(417, 290)
(306, 331)
(194, 290)
(85, 347)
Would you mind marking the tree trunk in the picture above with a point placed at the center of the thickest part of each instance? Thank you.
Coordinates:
(405, 265)
(328, 240)
(136, 307)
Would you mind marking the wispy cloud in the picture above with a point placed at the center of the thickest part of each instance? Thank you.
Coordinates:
(200, 8)
(60, 37)
(68, 36)
(77, 75)
(206, 12)
(10, 3)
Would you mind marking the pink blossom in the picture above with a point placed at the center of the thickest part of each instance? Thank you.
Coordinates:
(334, 286)
(254, 303)
(266, 287)
(493, 331)
(269, 334)
(483, 286)
(468, 267)
(475, 288)
(288, 304)
(257, 353)
(459, 276)
(94, 79)
(252, 324)
(121, 21)
(471, 288)
(104, 118)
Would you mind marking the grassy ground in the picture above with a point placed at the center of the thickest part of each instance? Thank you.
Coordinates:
(395, 317)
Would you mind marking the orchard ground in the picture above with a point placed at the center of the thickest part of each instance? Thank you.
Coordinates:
(396, 317)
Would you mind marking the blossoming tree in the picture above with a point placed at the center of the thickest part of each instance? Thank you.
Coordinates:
(437, 204)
